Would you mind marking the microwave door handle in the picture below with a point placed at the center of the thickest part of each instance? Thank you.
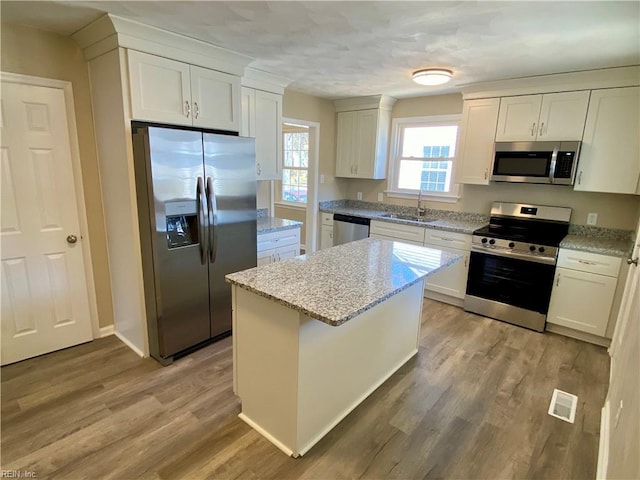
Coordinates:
(554, 159)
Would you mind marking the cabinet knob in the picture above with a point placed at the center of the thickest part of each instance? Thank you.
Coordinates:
(533, 129)
(580, 177)
(541, 129)
(486, 173)
(196, 113)
(258, 169)
(187, 108)
(558, 281)
(632, 261)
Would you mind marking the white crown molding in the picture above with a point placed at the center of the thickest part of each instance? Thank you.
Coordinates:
(562, 82)
(260, 80)
(110, 32)
(382, 102)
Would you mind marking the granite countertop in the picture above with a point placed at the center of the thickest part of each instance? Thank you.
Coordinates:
(460, 222)
(273, 224)
(605, 241)
(339, 283)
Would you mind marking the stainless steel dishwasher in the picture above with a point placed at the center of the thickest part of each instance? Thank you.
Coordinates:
(347, 228)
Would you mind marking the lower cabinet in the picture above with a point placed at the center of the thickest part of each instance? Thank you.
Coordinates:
(583, 292)
(452, 281)
(450, 284)
(277, 246)
(326, 230)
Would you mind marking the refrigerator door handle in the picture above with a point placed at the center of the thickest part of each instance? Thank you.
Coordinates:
(202, 220)
(213, 221)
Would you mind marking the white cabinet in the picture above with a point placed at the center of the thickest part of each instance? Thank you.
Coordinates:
(262, 120)
(610, 154)
(583, 291)
(452, 281)
(169, 91)
(476, 140)
(326, 230)
(397, 231)
(363, 137)
(279, 245)
(552, 116)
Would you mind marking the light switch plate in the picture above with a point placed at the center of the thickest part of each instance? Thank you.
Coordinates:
(359, 196)
(592, 219)
(381, 197)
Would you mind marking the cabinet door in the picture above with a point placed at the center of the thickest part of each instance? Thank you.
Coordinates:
(266, 256)
(288, 251)
(215, 99)
(562, 115)
(518, 118)
(247, 112)
(365, 146)
(268, 134)
(476, 140)
(345, 144)
(326, 236)
(609, 157)
(160, 89)
(581, 301)
(451, 281)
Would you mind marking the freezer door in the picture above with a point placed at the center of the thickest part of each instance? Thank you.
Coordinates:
(230, 170)
(178, 210)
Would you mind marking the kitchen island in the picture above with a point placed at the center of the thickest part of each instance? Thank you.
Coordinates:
(316, 334)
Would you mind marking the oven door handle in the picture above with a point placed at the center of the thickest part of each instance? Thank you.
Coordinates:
(519, 256)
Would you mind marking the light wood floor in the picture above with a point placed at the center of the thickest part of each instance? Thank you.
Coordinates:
(472, 404)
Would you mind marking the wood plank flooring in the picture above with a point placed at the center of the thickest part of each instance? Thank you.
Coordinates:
(472, 404)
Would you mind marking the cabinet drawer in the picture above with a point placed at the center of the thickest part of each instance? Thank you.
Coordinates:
(398, 231)
(271, 240)
(326, 218)
(442, 238)
(404, 240)
(589, 262)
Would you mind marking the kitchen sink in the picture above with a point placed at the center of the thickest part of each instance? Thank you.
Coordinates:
(412, 218)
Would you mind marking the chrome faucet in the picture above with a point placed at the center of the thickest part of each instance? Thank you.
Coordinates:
(419, 210)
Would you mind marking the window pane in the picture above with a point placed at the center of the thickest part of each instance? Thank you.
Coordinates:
(429, 142)
(410, 174)
(428, 176)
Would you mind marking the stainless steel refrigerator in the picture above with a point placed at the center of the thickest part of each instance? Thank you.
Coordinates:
(196, 197)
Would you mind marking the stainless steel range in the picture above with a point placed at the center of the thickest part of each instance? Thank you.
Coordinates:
(513, 262)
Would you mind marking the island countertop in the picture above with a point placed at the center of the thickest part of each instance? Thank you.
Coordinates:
(339, 283)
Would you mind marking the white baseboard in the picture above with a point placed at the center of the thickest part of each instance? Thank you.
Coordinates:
(603, 446)
(585, 337)
(106, 331)
(129, 344)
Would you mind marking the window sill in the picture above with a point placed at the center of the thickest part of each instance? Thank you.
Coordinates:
(448, 198)
(294, 206)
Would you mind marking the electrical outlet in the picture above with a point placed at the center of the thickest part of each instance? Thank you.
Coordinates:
(381, 197)
(321, 178)
(359, 196)
(592, 219)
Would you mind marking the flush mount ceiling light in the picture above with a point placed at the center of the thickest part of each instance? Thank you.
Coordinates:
(432, 76)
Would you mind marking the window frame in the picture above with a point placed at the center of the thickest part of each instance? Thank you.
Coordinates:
(395, 151)
(280, 186)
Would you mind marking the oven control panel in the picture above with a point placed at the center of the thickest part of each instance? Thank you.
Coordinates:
(517, 249)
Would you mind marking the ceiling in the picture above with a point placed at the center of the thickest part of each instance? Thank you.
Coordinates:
(343, 49)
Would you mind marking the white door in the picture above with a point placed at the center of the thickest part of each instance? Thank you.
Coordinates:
(45, 304)
(618, 456)
(518, 118)
(562, 115)
(268, 133)
(477, 137)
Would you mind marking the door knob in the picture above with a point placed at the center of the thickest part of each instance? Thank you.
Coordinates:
(632, 261)
(72, 239)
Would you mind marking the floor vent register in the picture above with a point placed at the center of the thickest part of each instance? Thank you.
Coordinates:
(563, 405)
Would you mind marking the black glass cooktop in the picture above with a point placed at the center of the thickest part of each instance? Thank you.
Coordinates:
(537, 232)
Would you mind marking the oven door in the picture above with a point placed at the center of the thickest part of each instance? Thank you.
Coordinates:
(504, 281)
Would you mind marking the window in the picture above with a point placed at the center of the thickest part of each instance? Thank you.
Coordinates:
(295, 163)
(423, 156)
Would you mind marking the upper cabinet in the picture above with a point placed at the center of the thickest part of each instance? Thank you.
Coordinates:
(168, 91)
(262, 120)
(476, 140)
(610, 154)
(553, 116)
(363, 136)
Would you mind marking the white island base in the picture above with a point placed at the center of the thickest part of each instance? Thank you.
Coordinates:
(297, 377)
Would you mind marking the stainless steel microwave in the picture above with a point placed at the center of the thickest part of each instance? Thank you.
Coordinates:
(536, 162)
